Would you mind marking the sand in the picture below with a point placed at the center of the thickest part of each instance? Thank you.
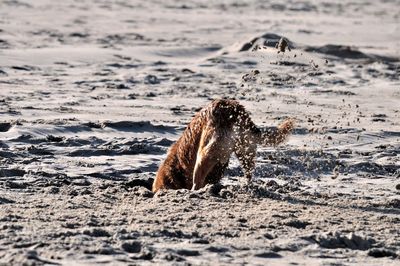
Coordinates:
(93, 93)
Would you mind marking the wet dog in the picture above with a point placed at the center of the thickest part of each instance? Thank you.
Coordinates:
(201, 155)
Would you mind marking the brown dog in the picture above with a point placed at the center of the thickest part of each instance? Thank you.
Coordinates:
(201, 155)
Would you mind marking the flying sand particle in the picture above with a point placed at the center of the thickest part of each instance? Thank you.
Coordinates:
(282, 45)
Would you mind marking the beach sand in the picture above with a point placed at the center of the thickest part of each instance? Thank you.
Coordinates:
(93, 93)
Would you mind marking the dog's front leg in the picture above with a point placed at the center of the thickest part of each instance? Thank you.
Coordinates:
(207, 158)
(204, 164)
(215, 148)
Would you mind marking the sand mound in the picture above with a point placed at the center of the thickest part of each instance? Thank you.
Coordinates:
(348, 52)
(264, 41)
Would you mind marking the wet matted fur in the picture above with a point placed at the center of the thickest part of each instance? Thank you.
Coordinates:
(201, 155)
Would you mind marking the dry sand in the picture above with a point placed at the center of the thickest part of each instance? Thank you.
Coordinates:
(92, 94)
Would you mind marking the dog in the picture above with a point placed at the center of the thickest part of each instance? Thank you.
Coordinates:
(201, 155)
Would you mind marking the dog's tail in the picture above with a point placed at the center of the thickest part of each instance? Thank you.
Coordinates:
(276, 136)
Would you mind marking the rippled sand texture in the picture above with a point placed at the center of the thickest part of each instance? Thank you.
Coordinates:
(93, 93)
